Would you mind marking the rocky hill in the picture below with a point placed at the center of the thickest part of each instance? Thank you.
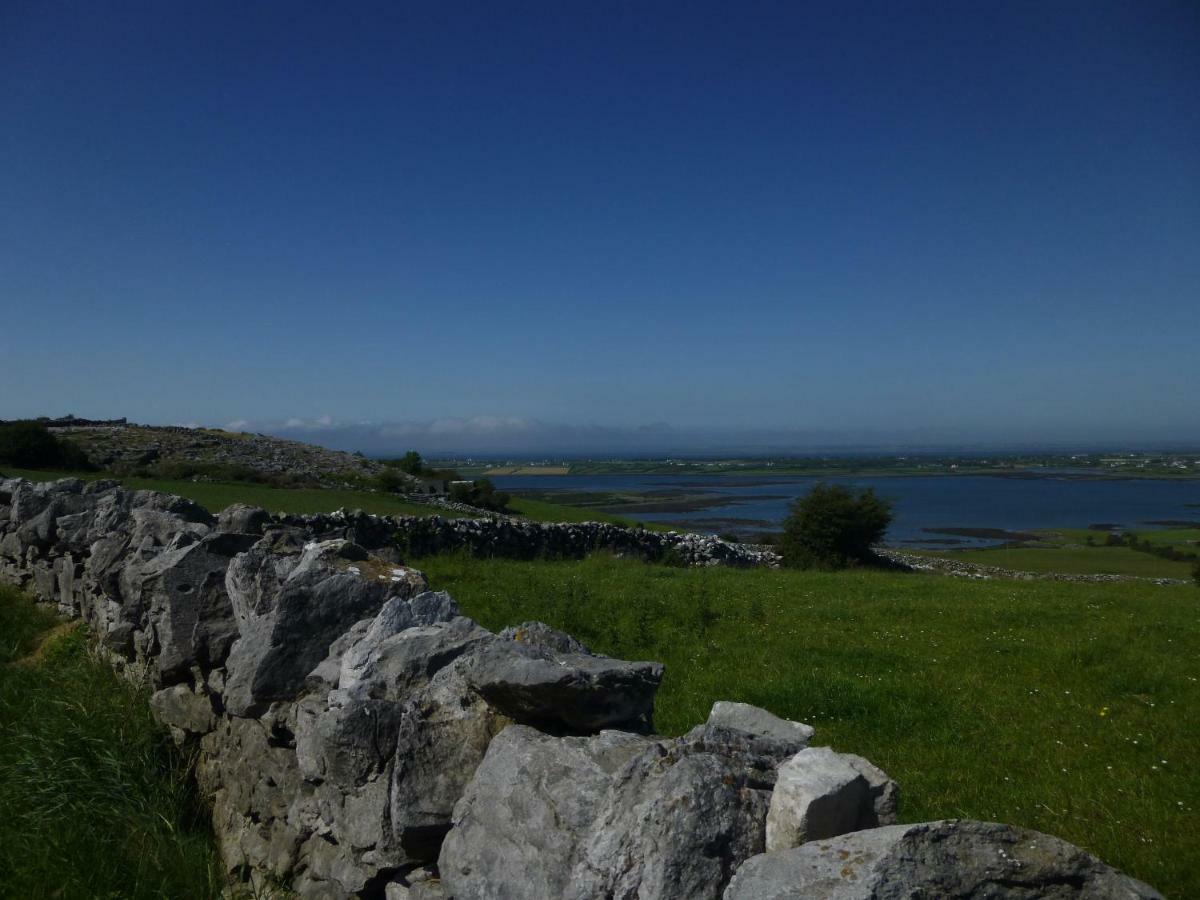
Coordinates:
(126, 446)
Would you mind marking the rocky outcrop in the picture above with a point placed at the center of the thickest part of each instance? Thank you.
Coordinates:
(935, 859)
(357, 736)
(118, 444)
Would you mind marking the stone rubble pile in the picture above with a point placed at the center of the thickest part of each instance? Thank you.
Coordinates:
(359, 737)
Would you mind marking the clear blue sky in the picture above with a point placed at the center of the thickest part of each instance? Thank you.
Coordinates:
(968, 220)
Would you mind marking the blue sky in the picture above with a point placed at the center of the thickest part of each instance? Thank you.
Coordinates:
(951, 221)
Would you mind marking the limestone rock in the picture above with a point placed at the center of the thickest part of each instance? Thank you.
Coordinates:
(936, 859)
(518, 825)
(243, 519)
(537, 675)
(289, 611)
(187, 602)
(444, 733)
(678, 820)
(755, 720)
(250, 781)
(821, 794)
(613, 815)
(180, 707)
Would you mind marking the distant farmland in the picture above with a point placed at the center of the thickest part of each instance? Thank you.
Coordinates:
(528, 470)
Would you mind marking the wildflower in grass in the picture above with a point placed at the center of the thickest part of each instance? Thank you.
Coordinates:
(1103, 711)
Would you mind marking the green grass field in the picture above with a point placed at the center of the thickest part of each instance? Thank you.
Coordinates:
(1066, 550)
(95, 798)
(1069, 708)
(1076, 560)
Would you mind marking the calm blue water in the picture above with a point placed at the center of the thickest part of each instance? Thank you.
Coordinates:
(919, 501)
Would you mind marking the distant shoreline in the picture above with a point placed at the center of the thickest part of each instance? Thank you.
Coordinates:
(768, 474)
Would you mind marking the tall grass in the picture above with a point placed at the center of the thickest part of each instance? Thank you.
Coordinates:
(1068, 708)
(95, 800)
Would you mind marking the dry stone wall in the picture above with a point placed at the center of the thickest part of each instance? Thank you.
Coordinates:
(522, 539)
(358, 737)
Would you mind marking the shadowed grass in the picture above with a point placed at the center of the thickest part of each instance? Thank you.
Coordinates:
(95, 799)
(1068, 708)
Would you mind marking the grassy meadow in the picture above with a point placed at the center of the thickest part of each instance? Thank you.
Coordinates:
(1067, 550)
(1068, 708)
(96, 799)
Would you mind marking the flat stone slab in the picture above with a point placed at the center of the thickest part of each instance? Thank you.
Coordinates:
(950, 858)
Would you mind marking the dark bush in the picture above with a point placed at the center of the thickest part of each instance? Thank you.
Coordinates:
(410, 462)
(30, 445)
(832, 528)
(391, 479)
(481, 493)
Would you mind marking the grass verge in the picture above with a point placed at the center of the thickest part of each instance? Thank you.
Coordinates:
(96, 799)
(1068, 708)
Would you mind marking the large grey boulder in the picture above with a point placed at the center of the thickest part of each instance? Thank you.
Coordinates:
(936, 859)
(531, 674)
(539, 676)
(347, 728)
(444, 732)
(289, 610)
(821, 794)
(405, 644)
(243, 519)
(616, 815)
(518, 826)
(189, 608)
(678, 820)
(772, 735)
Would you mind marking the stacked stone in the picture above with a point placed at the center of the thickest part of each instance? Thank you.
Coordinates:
(359, 737)
(522, 539)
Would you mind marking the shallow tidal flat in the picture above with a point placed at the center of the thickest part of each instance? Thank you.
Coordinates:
(631, 504)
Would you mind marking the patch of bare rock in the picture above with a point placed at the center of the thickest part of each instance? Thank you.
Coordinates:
(358, 736)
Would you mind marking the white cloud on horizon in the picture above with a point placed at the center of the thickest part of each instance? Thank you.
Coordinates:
(516, 436)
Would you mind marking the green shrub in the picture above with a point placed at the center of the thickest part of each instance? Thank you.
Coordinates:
(410, 462)
(392, 480)
(481, 493)
(832, 528)
(30, 445)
